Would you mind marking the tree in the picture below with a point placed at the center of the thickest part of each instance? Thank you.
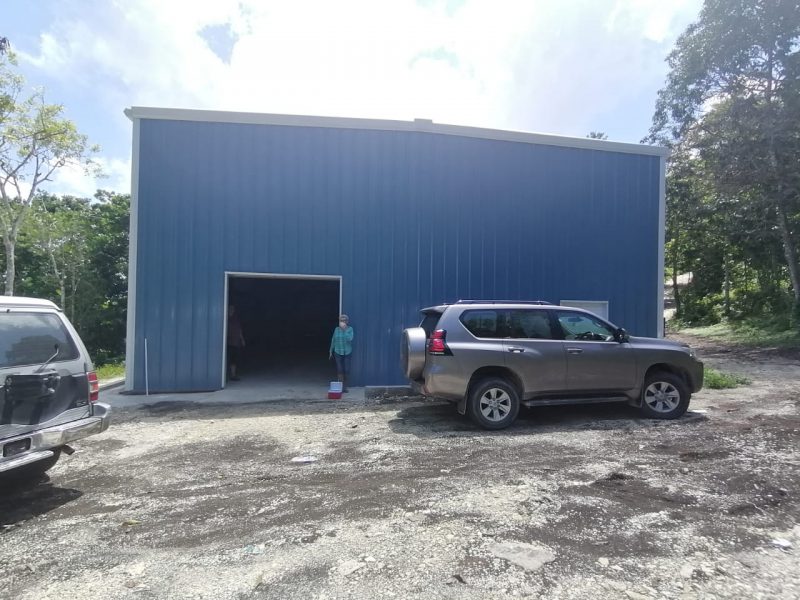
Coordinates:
(597, 135)
(74, 251)
(61, 229)
(104, 322)
(35, 141)
(733, 99)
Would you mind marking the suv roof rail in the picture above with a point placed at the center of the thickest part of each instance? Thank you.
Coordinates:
(538, 302)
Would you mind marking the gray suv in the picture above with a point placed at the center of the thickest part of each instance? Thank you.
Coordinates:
(492, 357)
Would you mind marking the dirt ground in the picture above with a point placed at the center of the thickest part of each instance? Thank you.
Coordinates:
(411, 501)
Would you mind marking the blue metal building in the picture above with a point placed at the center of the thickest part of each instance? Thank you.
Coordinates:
(394, 215)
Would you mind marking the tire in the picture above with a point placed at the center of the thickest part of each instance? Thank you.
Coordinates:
(493, 403)
(34, 470)
(664, 396)
(412, 352)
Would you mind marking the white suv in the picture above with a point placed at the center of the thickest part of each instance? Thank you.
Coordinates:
(48, 387)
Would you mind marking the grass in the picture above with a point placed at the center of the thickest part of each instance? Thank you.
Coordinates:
(718, 380)
(110, 371)
(755, 333)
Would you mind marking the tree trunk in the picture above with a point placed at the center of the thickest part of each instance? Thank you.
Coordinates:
(676, 292)
(727, 286)
(790, 251)
(11, 267)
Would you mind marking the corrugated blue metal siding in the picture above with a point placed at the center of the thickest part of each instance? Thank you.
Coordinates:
(408, 219)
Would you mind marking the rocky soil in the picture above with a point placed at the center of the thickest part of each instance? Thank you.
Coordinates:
(326, 500)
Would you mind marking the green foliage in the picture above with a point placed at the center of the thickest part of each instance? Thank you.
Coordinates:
(70, 250)
(74, 251)
(110, 371)
(731, 114)
(104, 321)
(718, 380)
(36, 140)
(763, 332)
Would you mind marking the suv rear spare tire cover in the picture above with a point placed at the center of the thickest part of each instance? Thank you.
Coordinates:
(412, 352)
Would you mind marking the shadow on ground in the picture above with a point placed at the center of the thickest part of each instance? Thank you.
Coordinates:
(442, 420)
(26, 499)
(224, 410)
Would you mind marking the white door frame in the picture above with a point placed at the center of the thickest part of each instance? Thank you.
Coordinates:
(246, 274)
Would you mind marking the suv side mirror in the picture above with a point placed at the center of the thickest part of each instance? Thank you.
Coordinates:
(621, 335)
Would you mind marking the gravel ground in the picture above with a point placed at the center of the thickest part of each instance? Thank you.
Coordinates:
(410, 500)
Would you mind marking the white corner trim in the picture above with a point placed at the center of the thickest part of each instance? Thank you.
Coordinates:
(425, 125)
(224, 378)
(662, 218)
(133, 240)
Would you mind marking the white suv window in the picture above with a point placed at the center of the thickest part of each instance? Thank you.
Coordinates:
(30, 339)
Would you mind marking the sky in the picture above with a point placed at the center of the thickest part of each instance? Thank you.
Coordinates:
(550, 66)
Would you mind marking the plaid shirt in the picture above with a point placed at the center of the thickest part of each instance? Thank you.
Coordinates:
(342, 341)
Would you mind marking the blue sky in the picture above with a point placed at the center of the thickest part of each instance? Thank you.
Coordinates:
(551, 66)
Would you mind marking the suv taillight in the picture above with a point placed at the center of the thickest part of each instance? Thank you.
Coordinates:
(437, 345)
(94, 387)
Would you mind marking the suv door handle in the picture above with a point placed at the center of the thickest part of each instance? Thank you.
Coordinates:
(516, 349)
(574, 350)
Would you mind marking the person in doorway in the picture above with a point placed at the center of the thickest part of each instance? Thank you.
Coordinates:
(235, 343)
(342, 349)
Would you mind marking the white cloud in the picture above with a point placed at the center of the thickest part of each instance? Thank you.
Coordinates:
(72, 179)
(547, 65)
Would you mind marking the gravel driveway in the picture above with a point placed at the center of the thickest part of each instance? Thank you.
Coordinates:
(410, 500)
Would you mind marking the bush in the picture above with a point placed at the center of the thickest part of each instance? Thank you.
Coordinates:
(718, 380)
(110, 371)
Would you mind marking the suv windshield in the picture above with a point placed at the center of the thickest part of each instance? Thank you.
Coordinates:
(30, 339)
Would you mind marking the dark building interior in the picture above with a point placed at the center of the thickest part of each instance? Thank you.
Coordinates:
(287, 326)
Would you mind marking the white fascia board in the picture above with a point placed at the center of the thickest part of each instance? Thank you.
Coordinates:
(662, 219)
(133, 243)
(424, 125)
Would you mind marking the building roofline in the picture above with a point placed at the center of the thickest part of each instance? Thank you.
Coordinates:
(421, 125)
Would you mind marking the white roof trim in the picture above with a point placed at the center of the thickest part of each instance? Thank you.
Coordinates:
(426, 125)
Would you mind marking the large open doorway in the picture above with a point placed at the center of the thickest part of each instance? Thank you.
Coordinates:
(287, 323)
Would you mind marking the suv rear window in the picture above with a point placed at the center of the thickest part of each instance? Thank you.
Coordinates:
(30, 339)
(486, 323)
(429, 323)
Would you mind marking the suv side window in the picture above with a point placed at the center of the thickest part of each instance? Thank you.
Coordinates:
(530, 324)
(486, 323)
(30, 339)
(583, 327)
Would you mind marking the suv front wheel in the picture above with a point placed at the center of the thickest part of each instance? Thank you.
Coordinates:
(665, 396)
(493, 403)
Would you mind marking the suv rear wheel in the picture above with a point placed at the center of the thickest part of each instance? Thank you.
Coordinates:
(665, 396)
(493, 403)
